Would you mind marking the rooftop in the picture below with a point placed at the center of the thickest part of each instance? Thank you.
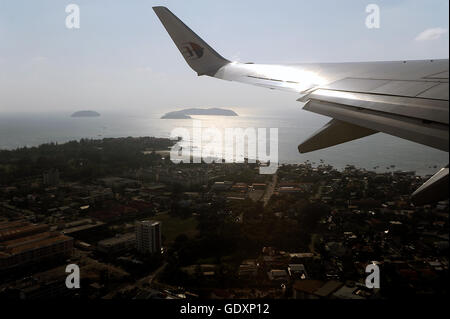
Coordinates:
(118, 239)
(329, 287)
(308, 286)
(36, 241)
(17, 229)
(149, 222)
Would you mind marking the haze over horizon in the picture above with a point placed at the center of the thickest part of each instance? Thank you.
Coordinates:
(122, 60)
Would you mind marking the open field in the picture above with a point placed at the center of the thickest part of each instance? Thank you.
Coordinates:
(174, 226)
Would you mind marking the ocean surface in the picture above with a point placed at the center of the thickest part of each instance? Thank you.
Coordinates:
(379, 152)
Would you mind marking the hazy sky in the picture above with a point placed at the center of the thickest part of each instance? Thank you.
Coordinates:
(122, 59)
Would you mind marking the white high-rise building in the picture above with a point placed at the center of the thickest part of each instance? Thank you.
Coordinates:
(51, 177)
(148, 236)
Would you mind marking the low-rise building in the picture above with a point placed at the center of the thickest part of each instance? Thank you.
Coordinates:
(44, 285)
(221, 186)
(328, 288)
(278, 275)
(346, 292)
(297, 271)
(247, 271)
(17, 229)
(34, 249)
(304, 289)
(118, 244)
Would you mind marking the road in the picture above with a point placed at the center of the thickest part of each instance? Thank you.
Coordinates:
(141, 283)
(270, 189)
(148, 280)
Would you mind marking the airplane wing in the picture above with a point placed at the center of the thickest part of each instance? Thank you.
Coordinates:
(407, 99)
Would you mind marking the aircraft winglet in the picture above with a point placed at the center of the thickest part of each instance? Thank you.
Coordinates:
(198, 54)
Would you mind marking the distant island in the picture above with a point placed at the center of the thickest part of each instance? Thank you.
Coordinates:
(85, 114)
(186, 113)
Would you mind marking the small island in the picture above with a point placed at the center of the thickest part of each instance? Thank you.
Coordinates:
(85, 114)
(186, 113)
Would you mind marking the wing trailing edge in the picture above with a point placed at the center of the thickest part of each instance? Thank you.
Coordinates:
(427, 133)
(333, 133)
(433, 190)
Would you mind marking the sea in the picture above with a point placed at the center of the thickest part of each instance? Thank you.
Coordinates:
(379, 152)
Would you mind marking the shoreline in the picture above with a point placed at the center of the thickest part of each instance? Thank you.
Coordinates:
(165, 152)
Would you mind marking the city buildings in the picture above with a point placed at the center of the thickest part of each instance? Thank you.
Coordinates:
(186, 177)
(148, 236)
(51, 177)
(118, 244)
(17, 229)
(32, 244)
(320, 227)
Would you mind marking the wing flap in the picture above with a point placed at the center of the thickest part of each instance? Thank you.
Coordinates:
(418, 108)
(439, 91)
(356, 84)
(431, 134)
(334, 133)
(433, 190)
(405, 88)
(430, 89)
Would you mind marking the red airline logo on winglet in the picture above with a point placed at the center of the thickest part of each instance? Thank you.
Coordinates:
(192, 51)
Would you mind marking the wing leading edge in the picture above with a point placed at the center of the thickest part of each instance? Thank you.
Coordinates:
(407, 99)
